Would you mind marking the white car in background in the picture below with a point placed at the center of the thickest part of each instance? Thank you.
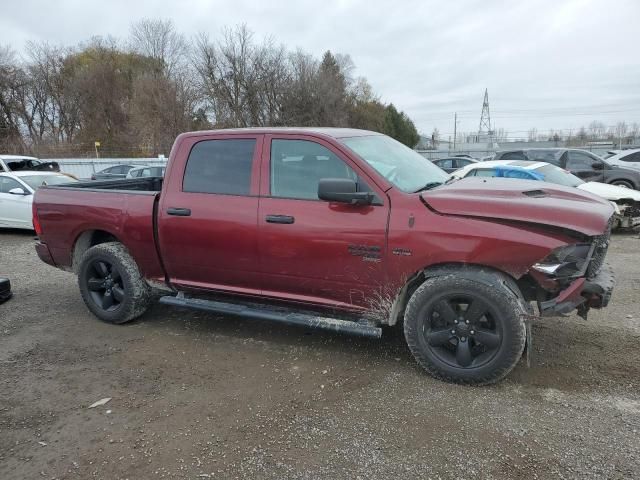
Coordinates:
(625, 200)
(146, 171)
(625, 158)
(16, 195)
(19, 163)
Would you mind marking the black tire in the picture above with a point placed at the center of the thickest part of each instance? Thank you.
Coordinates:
(111, 284)
(623, 183)
(480, 351)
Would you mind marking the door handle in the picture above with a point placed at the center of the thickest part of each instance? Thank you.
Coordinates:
(286, 219)
(179, 212)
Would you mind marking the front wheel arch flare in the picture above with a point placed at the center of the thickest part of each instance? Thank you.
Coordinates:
(481, 273)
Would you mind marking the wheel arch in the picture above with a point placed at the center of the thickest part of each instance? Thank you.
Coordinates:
(476, 272)
(86, 240)
(628, 181)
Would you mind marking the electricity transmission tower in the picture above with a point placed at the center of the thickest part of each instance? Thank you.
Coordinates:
(485, 119)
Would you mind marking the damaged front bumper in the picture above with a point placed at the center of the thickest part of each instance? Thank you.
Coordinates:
(582, 294)
(623, 221)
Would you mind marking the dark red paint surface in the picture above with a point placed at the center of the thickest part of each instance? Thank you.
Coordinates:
(226, 245)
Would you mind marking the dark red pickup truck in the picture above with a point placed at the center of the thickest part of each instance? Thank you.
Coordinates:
(340, 229)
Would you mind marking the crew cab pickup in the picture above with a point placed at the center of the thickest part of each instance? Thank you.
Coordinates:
(341, 229)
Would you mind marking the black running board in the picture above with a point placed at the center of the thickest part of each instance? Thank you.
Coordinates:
(257, 311)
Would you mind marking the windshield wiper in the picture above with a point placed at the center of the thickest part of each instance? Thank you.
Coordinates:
(428, 186)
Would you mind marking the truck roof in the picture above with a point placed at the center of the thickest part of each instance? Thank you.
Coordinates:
(333, 132)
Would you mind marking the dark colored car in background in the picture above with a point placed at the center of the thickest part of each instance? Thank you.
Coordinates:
(582, 163)
(451, 164)
(113, 173)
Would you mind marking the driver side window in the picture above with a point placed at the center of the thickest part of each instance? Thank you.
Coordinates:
(297, 166)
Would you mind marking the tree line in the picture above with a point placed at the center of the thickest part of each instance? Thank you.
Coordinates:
(135, 95)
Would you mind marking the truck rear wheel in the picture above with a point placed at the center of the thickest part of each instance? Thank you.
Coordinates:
(465, 331)
(111, 284)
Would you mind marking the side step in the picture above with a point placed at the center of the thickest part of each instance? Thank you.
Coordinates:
(276, 315)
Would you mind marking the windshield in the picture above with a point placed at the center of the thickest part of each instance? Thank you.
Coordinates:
(557, 175)
(36, 181)
(406, 169)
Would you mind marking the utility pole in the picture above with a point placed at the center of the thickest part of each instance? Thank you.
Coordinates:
(455, 129)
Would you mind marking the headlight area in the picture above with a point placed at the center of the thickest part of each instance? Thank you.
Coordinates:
(566, 262)
(565, 281)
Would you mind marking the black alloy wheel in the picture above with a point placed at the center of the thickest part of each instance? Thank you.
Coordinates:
(111, 284)
(105, 285)
(462, 331)
(466, 328)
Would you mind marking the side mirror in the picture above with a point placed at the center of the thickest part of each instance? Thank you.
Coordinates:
(342, 190)
(18, 191)
(597, 166)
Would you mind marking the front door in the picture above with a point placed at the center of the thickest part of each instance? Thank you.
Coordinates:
(207, 219)
(581, 165)
(15, 210)
(312, 250)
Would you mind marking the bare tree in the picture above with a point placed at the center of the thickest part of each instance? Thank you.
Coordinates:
(621, 131)
(243, 82)
(597, 130)
(11, 83)
(158, 39)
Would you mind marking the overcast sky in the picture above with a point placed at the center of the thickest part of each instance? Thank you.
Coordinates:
(547, 63)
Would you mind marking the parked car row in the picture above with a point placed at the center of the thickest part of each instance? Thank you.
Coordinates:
(582, 163)
(21, 176)
(626, 201)
(128, 171)
(621, 168)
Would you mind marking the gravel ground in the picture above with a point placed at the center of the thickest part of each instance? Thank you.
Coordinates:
(200, 396)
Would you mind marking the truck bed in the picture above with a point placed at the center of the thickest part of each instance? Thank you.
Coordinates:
(122, 210)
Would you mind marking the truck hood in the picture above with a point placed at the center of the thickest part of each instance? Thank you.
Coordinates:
(610, 192)
(522, 201)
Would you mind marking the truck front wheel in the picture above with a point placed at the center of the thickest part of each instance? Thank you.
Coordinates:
(465, 331)
(111, 284)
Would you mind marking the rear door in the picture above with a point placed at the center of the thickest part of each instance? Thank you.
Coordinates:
(312, 250)
(207, 219)
(581, 165)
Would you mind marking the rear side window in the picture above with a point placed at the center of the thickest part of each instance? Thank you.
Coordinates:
(220, 166)
(513, 156)
(485, 172)
(634, 157)
(446, 163)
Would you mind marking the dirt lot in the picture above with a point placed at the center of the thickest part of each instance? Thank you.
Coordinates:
(197, 396)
